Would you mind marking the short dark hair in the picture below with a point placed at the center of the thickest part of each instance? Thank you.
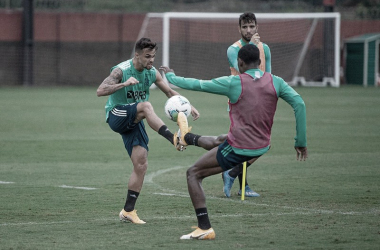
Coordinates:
(144, 43)
(249, 54)
(247, 17)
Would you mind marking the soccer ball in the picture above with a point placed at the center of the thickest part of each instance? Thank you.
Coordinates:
(177, 104)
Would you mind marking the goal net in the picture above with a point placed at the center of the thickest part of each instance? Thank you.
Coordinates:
(305, 47)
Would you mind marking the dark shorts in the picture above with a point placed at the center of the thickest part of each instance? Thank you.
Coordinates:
(227, 158)
(121, 120)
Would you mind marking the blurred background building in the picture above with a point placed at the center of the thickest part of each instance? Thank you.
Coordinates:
(349, 9)
(76, 42)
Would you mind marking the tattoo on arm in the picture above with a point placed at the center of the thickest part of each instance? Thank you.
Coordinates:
(110, 84)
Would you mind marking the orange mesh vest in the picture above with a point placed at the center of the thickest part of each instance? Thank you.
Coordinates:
(262, 58)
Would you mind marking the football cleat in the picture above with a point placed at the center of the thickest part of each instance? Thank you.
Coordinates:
(176, 142)
(249, 192)
(183, 128)
(130, 216)
(228, 181)
(200, 234)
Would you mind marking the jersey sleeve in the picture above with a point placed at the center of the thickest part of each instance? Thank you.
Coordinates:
(268, 58)
(225, 85)
(232, 55)
(289, 95)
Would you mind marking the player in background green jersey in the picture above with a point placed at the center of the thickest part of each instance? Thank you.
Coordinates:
(248, 29)
(249, 135)
(127, 106)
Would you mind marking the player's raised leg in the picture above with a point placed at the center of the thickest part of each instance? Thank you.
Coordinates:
(183, 128)
(184, 137)
(145, 111)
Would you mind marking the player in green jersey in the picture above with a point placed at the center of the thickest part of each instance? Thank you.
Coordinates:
(248, 29)
(127, 106)
(249, 135)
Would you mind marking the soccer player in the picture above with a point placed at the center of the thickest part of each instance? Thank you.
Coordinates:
(250, 132)
(248, 29)
(128, 89)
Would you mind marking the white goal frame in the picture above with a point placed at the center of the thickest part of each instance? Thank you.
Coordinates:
(334, 81)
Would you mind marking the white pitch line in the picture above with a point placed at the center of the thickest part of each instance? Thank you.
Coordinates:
(83, 188)
(307, 210)
(35, 223)
(252, 203)
(6, 182)
(178, 195)
(149, 177)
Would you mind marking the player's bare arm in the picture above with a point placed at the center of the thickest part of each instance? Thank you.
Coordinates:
(169, 92)
(112, 83)
(161, 84)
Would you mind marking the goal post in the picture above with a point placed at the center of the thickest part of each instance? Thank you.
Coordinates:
(305, 47)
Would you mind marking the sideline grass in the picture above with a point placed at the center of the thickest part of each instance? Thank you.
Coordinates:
(55, 137)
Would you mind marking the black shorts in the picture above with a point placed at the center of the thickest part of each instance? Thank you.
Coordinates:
(121, 120)
(228, 159)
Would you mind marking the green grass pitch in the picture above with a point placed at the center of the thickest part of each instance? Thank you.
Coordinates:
(52, 139)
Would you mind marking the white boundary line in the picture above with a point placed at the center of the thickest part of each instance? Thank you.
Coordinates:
(6, 182)
(149, 179)
(252, 202)
(83, 188)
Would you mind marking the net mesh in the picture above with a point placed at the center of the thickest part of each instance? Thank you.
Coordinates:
(198, 47)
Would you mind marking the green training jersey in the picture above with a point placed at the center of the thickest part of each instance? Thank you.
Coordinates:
(230, 86)
(233, 50)
(134, 93)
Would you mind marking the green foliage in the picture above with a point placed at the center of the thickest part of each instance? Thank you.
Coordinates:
(52, 137)
(368, 10)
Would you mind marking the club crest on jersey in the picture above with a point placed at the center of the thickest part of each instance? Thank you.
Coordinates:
(146, 82)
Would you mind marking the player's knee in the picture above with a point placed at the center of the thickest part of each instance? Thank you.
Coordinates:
(193, 173)
(145, 107)
(190, 173)
(140, 168)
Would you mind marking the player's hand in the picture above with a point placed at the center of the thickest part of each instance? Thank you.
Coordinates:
(301, 153)
(194, 113)
(255, 39)
(234, 72)
(166, 69)
(131, 81)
